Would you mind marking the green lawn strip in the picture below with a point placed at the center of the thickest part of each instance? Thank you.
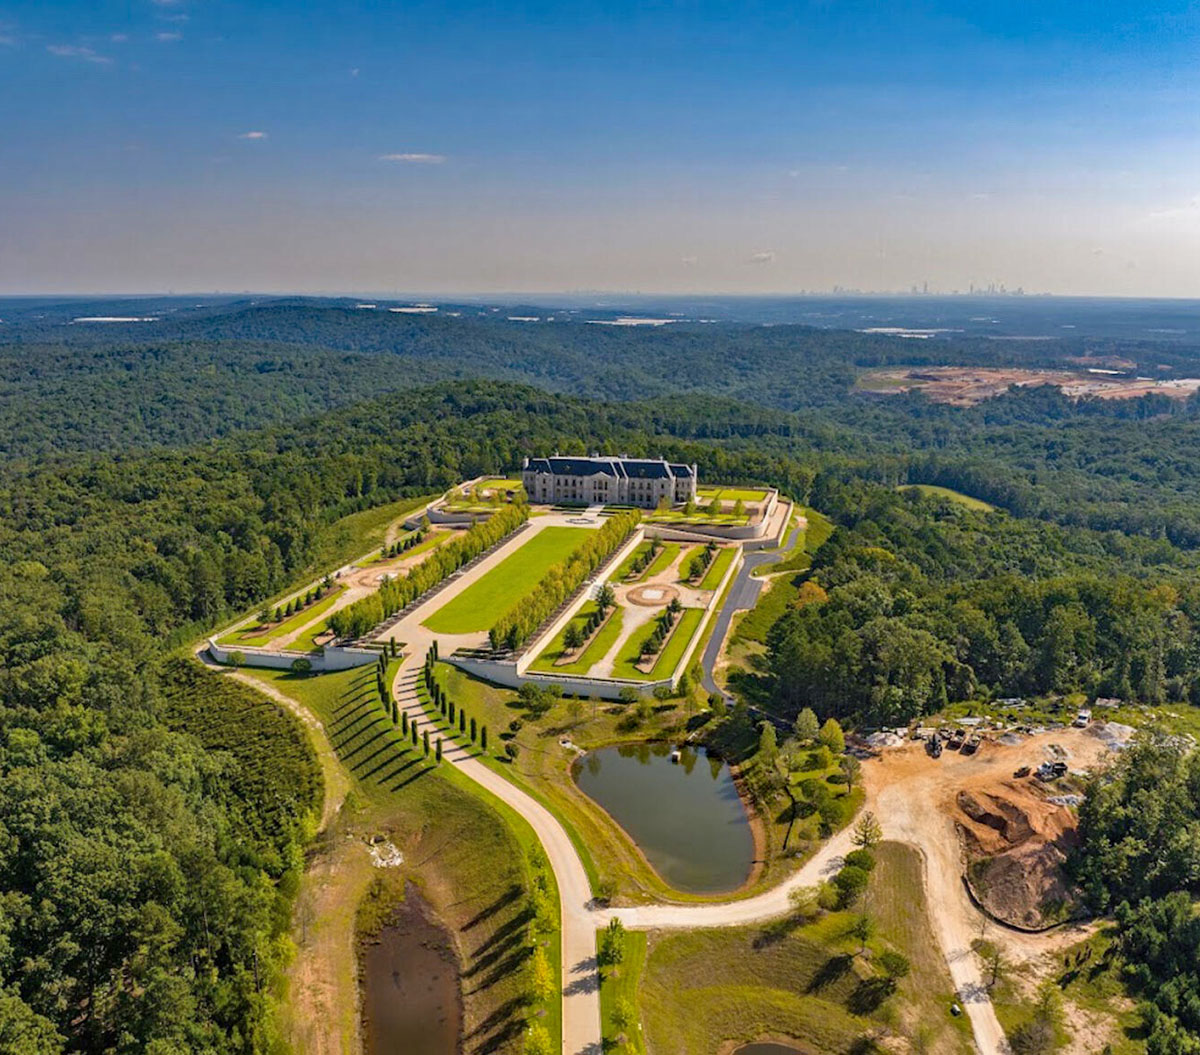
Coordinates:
(686, 560)
(481, 844)
(698, 519)
(488, 598)
(288, 626)
(685, 630)
(934, 491)
(776, 598)
(630, 652)
(627, 563)
(820, 527)
(621, 983)
(552, 651)
(731, 494)
(595, 651)
(660, 563)
(716, 570)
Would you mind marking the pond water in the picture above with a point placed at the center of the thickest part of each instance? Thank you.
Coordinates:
(685, 816)
(411, 999)
(767, 1048)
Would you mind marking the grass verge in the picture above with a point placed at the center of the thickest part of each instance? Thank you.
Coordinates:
(479, 606)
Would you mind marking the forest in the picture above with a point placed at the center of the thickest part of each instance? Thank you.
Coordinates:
(153, 488)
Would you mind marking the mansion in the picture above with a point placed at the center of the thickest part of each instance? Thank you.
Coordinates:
(602, 480)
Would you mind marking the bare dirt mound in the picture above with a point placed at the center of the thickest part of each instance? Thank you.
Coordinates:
(1016, 844)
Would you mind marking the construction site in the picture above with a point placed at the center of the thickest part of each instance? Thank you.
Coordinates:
(965, 386)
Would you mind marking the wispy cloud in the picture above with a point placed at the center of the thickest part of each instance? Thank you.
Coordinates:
(414, 159)
(767, 256)
(119, 38)
(253, 135)
(78, 51)
(168, 36)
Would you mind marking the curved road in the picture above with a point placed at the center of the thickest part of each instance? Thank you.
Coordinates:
(582, 1032)
(743, 594)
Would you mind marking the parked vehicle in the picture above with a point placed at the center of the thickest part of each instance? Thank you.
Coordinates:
(1024, 771)
(971, 745)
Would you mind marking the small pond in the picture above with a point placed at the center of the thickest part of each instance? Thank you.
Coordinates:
(685, 816)
(411, 999)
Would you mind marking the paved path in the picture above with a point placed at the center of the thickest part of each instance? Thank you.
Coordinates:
(582, 1033)
(581, 980)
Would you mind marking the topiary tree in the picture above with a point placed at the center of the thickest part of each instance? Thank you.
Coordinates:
(237, 659)
(572, 637)
(300, 665)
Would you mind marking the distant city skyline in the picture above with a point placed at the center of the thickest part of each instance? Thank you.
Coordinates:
(475, 148)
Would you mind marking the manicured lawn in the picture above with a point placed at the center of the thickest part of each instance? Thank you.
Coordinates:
(686, 559)
(595, 651)
(731, 494)
(933, 491)
(697, 518)
(660, 563)
(667, 658)
(486, 600)
(258, 639)
(700, 989)
(716, 570)
(621, 983)
(468, 864)
(627, 563)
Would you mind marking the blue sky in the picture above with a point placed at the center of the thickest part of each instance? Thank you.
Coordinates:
(757, 147)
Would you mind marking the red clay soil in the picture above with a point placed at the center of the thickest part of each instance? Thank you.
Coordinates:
(1016, 844)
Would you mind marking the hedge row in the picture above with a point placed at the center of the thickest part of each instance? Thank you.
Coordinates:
(358, 618)
(516, 626)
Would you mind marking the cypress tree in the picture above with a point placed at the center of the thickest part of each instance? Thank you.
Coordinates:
(425, 742)
(462, 720)
(438, 759)
(483, 737)
(393, 644)
(450, 710)
(404, 723)
(413, 728)
(395, 713)
(473, 730)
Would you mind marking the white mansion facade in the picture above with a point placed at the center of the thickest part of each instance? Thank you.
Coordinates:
(603, 480)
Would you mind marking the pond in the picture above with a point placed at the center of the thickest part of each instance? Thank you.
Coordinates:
(767, 1048)
(685, 816)
(411, 999)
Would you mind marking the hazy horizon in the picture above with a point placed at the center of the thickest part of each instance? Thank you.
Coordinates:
(707, 149)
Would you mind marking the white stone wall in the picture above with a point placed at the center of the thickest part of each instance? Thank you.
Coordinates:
(330, 659)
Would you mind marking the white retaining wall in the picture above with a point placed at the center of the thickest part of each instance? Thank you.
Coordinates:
(331, 658)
